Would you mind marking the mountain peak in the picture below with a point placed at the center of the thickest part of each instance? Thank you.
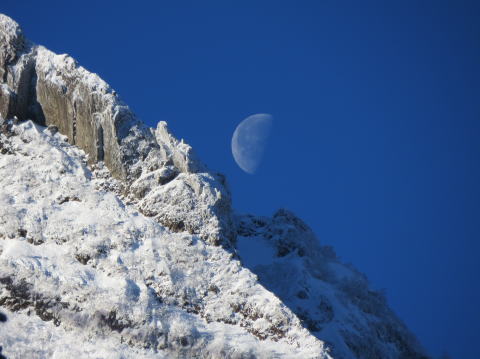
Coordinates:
(118, 234)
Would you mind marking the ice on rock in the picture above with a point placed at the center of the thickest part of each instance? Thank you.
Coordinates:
(54, 90)
(116, 241)
(97, 266)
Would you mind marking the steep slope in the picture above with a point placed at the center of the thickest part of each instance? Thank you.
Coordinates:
(117, 234)
(53, 90)
(79, 257)
(333, 300)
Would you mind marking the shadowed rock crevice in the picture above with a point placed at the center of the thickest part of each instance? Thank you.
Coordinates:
(3, 318)
(100, 149)
(74, 124)
(19, 295)
(35, 111)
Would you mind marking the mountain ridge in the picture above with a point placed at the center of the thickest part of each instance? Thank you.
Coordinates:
(139, 193)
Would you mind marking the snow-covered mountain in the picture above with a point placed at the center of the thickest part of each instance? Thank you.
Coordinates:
(117, 242)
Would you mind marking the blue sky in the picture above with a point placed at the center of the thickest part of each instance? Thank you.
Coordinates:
(377, 123)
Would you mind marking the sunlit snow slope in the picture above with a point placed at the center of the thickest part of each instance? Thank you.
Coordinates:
(116, 241)
(81, 259)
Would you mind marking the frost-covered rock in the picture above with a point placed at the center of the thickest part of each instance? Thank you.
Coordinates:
(179, 192)
(16, 71)
(54, 90)
(333, 300)
(12, 43)
(81, 259)
(110, 233)
(87, 111)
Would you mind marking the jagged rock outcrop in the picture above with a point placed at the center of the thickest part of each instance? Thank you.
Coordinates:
(110, 233)
(81, 259)
(54, 90)
(87, 111)
(16, 71)
(324, 293)
(180, 193)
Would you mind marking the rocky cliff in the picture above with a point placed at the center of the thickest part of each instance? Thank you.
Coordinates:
(116, 241)
(53, 90)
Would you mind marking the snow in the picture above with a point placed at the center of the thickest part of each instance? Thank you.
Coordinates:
(83, 259)
(333, 300)
(77, 261)
(57, 343)
(52, 65)
(142, 255)
(10, 27)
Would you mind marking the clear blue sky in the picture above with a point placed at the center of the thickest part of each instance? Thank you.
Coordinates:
(377, 123)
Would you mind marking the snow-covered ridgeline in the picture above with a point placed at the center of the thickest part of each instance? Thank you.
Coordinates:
(54, 90)
(111, 231)
(79, 257)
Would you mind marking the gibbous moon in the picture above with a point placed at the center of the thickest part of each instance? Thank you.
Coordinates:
(249, 141)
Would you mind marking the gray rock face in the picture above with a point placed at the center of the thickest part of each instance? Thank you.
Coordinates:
(12, 43)
(54, 90)
(86, 110)
(16, 71)
(6, 100)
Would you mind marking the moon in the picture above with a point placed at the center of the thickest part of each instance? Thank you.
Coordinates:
(249, 141)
